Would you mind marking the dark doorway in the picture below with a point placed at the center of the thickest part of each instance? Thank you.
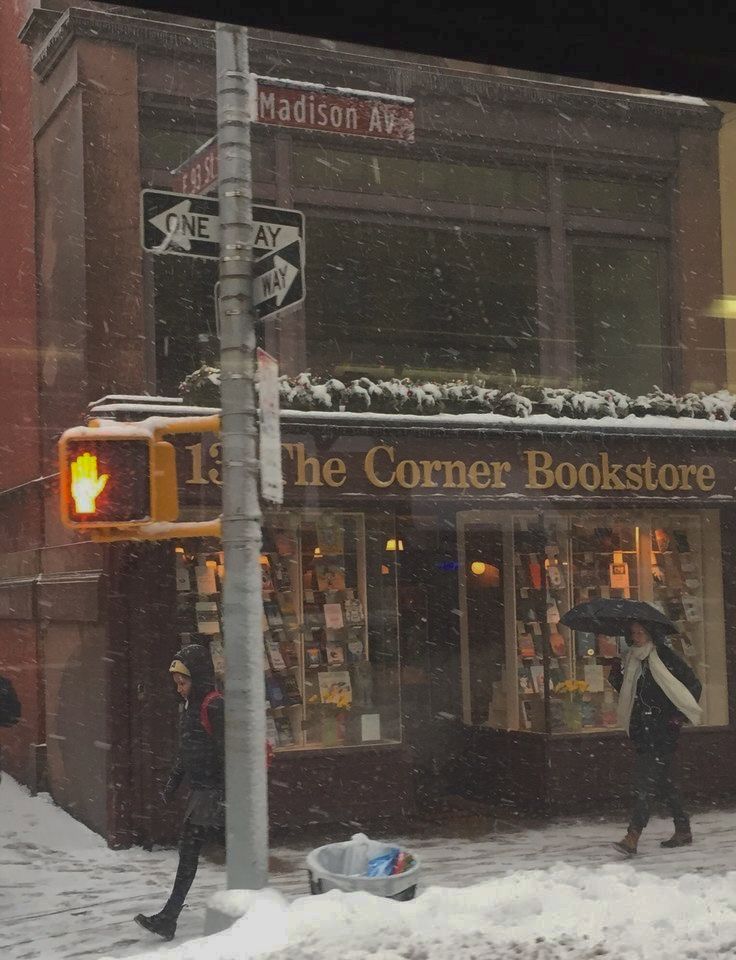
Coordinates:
(429, 628)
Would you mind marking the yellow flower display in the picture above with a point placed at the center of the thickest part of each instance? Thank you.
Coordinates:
(572, 687)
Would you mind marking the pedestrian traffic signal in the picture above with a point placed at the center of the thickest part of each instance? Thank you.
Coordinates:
(115, 479)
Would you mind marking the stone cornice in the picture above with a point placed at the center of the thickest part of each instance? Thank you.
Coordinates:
(52, 34)
(426, 81)
(114, 28)
(37, 26)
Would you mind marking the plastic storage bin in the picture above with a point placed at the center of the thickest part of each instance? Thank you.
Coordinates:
(342, 866)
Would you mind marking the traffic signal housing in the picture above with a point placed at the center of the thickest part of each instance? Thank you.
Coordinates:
(113, 480)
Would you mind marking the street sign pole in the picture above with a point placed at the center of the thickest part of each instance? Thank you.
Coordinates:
(245, 710)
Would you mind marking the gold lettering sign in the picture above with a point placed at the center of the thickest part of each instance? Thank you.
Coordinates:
(544, 473)
(383, 467)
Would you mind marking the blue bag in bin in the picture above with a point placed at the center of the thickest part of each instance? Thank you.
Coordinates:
(382, 869)
(383, 865)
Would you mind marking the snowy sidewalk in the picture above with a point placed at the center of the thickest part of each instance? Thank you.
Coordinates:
(64, 894)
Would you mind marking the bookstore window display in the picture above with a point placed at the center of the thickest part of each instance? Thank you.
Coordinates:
(330, 630)
(522, 670)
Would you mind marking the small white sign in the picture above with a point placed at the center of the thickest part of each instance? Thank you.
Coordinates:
(272, 480)
(370, 726)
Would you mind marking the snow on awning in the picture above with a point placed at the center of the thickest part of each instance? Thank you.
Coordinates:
(139, 408)
(399, 400)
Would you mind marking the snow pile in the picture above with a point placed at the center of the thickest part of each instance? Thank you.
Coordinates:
(66, 895)
(308, 393)
(571, 912)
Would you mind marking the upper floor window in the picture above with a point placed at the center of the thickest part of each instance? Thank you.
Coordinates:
(618, 302)
(439, 267)
(468, 180)
(392, 299)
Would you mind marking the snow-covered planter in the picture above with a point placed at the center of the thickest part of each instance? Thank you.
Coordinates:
(202, 386)
(425, 398)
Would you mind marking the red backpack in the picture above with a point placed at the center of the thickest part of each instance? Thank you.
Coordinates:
(204, 719)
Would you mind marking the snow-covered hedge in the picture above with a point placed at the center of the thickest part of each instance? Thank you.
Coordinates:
(306, 392)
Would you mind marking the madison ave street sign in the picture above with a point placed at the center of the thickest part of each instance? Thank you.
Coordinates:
(289, 103)
(186, 225)
(312, 106)
(307, 106)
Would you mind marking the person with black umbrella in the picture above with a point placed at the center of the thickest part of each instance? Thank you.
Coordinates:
(658, 693)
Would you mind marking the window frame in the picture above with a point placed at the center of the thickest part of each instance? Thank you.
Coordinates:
(558, 229)
(615, 241)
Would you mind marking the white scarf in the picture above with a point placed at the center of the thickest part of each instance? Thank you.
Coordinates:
(676, 691)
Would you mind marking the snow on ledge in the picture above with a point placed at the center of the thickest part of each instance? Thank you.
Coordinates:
(157, 417)
(652, 423)
(163, 408)
(342, 91)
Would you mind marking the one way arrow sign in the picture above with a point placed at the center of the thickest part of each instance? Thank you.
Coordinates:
(278, 280)
(181, 226)
(274, 283)
(184, 225)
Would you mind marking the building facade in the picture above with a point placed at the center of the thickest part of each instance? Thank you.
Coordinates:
(535, 233)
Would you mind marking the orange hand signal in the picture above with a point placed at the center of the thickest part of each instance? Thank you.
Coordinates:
(86, 485)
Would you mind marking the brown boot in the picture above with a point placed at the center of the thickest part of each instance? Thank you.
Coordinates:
(680, 838)
(628, 845)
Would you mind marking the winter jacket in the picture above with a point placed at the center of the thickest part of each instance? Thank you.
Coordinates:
(655, 721)
(201, 756)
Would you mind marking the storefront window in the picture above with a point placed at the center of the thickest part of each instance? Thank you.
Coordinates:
(330, 632)
(518, 576)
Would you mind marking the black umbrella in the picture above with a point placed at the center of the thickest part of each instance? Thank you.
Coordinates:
(611, 616)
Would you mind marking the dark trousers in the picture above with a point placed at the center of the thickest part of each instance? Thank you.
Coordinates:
(653, 781)
(190, 846)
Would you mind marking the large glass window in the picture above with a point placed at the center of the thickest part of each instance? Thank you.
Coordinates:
(395, 299)
(618, 305)
(330, 631)
(519, 575)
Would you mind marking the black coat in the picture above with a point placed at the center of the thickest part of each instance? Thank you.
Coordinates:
(201, 756)
(655, 721)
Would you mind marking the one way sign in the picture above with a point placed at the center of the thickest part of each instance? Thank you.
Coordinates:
(184, 225)
(279, 247)
(180, 224)
(275, 283)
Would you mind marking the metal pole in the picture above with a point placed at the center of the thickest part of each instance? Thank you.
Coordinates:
(245, 710)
